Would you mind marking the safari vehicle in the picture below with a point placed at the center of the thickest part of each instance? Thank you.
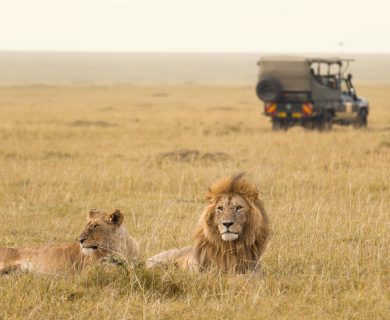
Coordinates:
(312, 92)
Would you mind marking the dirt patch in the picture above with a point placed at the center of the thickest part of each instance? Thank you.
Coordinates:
(85, 123)
(58, 155)
(186, 155)
(10, 155)
(108, 109)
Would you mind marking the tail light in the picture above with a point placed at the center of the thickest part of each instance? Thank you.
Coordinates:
(270, 108)
(307, 109)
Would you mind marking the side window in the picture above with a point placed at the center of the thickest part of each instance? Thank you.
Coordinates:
(332, 82)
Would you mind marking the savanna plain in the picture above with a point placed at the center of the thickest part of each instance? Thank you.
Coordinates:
(152, 151)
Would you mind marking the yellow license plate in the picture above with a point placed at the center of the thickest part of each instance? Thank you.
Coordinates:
(297, 115)
(282, 114)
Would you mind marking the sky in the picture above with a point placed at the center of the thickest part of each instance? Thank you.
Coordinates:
(246, 26)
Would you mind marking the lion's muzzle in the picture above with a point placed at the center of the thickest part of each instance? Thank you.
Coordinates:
(229, 236)
(227, 230)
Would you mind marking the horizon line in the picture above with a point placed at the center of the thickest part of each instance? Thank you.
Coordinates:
(196, 52)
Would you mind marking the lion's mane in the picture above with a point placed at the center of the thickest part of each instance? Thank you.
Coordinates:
(210, 251)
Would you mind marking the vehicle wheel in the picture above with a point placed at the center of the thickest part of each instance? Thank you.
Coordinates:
(309, 125)
(317, 123)
(327, 121)
(361, 121)
(268, 89)
(276, 125)
(324, 122)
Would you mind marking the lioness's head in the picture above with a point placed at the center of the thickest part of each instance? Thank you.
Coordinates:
(101, 234)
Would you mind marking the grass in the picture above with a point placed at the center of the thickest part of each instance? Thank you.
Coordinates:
(152, 151)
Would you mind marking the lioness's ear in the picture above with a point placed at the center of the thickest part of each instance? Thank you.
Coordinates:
(115, 217)
(94, 213)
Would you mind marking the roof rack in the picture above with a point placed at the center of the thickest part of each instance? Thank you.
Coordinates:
(338, 61)
(343, 63)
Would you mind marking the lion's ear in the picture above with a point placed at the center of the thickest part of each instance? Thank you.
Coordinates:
(255, 194)
(209, 195)
(115, 217)
(94, 213)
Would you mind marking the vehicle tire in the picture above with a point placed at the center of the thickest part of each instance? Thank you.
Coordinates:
(268, 89)
(276, 125)
(317, 123)
(327, 121)
(361, 121)
(324, 122)
(309, 125)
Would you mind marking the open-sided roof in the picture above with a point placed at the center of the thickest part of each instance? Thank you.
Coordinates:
(335, 60)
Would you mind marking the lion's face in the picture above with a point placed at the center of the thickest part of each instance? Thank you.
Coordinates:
(100, 235)
(231, 214)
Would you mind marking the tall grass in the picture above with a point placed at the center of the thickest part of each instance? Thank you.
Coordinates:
(65, 150)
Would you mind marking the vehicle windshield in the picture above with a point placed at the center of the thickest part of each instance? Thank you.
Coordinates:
(347, 87)
(344, 86)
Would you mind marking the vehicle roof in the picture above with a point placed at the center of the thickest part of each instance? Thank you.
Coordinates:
(294, 72)
(334, 60)
(272, 58)
(292, 58)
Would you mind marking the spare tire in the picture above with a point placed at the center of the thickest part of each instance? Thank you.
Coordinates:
(268, 89)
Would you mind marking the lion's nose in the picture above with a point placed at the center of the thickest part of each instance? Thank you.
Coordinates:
(82, 240)
(227, 224)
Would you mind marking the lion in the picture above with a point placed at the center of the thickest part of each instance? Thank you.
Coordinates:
(103, 235)
(231, 235)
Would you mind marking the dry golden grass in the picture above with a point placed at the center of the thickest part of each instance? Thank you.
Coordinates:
(65, 150)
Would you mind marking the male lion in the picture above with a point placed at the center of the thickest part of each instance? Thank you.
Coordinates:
(103, 235)
(231, 234)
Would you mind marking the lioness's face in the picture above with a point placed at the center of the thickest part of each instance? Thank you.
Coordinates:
(100, 234)
(231, 213)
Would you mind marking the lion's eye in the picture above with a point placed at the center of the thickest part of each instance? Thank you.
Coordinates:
(220, 208)
(238, 208)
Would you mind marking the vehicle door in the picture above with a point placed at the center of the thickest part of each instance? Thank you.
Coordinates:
(349, 103)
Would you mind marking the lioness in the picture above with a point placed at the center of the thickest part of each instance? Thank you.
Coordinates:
(231, 234)
(103, 235)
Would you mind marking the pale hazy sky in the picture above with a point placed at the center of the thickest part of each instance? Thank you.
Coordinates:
(195, 25)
